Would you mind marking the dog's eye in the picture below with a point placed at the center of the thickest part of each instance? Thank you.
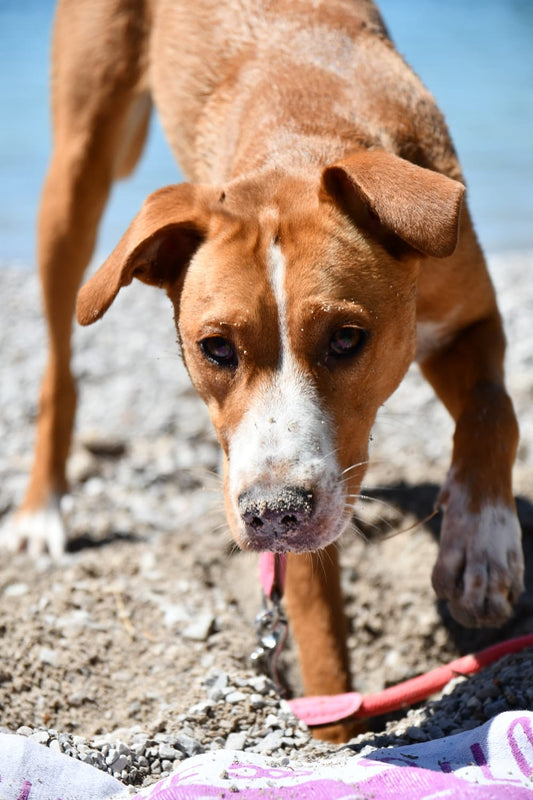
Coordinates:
(219, 350)
(346, 341)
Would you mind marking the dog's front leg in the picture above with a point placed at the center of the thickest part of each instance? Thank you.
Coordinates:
(480, 566)
(316, 614)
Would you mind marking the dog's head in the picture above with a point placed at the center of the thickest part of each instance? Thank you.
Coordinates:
(295, 304)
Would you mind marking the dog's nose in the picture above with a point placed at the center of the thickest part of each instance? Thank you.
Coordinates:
(274, 514)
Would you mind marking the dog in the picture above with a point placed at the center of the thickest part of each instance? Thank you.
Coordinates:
(322, 244)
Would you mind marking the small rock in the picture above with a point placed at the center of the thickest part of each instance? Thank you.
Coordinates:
(200, 628)
(155, 767)
(271, 742)
(77, 699)
(416, 734)
(257, 701)
(99, 445)
(138, 748)
(217, 680)
(491, 709)
(188, 744)
(121, 762)
(202, 708)
(48, 655)
(16, 590)
(235, 697)
(42, 737)
(166, 751)
(82, 466)
(236, 741)
(260, 683)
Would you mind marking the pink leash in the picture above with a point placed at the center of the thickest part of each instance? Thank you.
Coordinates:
(323, 710)
(328, 709)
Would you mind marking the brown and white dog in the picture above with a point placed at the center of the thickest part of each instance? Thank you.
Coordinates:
(322, 244)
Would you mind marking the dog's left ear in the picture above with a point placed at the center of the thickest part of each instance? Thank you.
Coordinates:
(156, 248)
(390, 196)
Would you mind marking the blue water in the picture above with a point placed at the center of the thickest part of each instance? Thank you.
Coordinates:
(476, 57)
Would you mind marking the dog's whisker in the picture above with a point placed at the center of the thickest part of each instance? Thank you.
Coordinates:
(204, 472)
(357, 531)
(322, 555)
(354, 466)
(375, 526)
(366, 499)
(412, 528)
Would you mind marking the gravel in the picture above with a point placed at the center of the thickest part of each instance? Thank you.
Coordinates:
(138, 757)
(133, 653)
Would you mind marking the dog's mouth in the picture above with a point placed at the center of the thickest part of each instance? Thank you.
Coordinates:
(290, 518)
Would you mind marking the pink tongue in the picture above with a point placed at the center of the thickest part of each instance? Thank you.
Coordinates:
(272, 572)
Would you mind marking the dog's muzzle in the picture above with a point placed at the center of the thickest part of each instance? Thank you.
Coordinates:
(276, 519)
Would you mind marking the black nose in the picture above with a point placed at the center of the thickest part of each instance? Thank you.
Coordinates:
(275, 513)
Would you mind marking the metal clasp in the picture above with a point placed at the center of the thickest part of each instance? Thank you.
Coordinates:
(271, 631)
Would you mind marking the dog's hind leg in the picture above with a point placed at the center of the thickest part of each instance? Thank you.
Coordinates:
(100, 113)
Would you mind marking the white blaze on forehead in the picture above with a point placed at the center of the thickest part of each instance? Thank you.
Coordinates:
(284, 438)
(276, 276)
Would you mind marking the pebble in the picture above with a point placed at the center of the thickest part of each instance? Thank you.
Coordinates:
(271, 742)
(491, 709)
(200, 628)
(235, 697)
(188, 744)
(168, 751)
(416, 734)
(47, 655)
(16, 590)
(236, 741)
(42, 737)
(257, 701)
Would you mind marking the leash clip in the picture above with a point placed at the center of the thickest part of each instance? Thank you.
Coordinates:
(271, 623)
(271, 631)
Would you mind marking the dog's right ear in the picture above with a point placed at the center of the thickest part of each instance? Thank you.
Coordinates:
(156, 248)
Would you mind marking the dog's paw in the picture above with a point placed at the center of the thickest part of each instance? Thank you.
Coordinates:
(480, 568)
(38, 532)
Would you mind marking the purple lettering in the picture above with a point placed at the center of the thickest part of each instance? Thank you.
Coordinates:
(524, 765)
(25, 791)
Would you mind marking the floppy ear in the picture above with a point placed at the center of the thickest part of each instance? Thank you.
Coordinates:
(158, 244)
(388, 195)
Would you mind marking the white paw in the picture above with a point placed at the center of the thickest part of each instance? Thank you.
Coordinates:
(38, 532)
(480, 568)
